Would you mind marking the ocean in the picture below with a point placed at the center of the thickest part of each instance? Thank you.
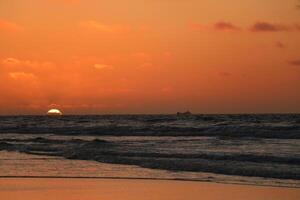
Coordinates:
(243, 149)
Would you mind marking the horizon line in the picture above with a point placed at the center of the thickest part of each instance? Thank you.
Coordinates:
(107, 114)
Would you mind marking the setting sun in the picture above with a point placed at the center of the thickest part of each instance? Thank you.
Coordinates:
(54, 112)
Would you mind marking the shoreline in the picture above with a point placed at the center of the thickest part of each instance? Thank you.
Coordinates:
(146, 179)
(20, 165)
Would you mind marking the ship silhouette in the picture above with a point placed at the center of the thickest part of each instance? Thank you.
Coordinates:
(187, 113)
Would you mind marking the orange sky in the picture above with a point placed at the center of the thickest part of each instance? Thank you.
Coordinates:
(151, 56)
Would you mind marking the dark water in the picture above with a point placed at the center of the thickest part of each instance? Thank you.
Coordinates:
(257, 126)
(243, 145)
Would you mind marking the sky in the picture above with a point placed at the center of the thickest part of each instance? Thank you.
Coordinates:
(150, 56)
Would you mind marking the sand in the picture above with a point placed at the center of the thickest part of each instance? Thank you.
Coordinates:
(110, 189)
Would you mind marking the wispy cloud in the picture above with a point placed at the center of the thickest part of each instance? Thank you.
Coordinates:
(218, 26)
(260, 26)
(11, 61)
(21, 75)
(294, 62)
(264, 26)
(18, 65)
(225, 26)
(225, 74)
(102, 66)
(269, 27)
(280, 45)
(6, 25)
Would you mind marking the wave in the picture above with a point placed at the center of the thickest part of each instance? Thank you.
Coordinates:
(258, 126)
(113, 152)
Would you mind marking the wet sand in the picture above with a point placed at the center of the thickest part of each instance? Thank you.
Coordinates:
(110, 189)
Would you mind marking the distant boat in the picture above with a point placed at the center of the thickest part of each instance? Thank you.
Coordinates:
(187, 113)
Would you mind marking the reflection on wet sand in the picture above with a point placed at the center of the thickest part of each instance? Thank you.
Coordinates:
(95, 189)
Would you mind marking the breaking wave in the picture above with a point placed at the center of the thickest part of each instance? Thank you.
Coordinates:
(130, 153)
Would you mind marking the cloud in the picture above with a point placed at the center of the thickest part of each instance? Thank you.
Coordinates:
(225, 74)
(260, 26)
(8, 65)
(10, 61)
(225, 26)
(218, 26)
(37, 84)
(294, 62)
(105, 28)
(25, 63)
(21, 75)
(280, 45)
(269, 27)
(9, 26)
(102, 66)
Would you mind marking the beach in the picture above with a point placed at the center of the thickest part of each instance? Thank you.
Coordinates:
(106, 189)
